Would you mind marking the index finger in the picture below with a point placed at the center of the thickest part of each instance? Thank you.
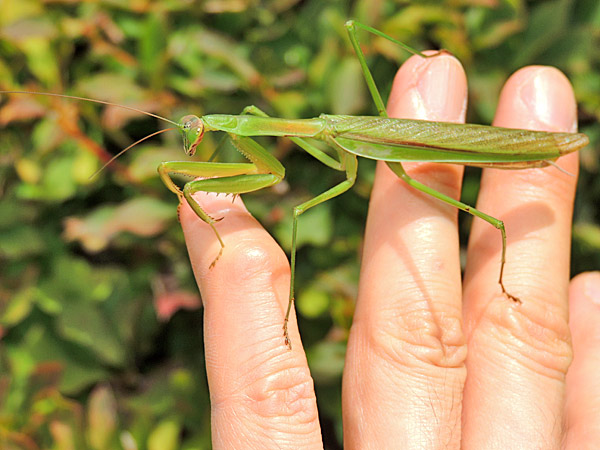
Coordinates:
(262, 394)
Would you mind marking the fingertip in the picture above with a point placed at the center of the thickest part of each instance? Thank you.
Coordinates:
(538, 98)
(201, 240)
(249, 250)
(235, 280)
(430, 89)
(584, 297)
(250, 257)
(583, 389)
(584, 309)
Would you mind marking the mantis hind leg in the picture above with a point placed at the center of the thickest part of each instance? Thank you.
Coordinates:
(497, 223)
(397, 167)
(351, 27)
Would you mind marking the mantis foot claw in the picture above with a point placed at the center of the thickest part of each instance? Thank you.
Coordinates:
(288, 341)
(510, 296)
(212, 264)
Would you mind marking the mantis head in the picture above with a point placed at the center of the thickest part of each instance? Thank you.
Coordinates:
(192, 129)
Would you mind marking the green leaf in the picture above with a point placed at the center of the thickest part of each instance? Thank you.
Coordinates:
(57, 184)
(86, 325)
(347, 90)
(42, 60)
(326, 361)
(18, 308)
(152, 49)
(39, 345)
(21, 242)
(102, 418)
(314, 227)
(165, 436)
(312, 302)
(142, 216)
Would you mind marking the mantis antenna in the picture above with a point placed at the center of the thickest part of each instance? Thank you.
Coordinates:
(127, 148)
(91, 100)
(102, 102)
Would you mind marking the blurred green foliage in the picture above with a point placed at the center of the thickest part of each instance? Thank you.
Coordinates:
(94, 354)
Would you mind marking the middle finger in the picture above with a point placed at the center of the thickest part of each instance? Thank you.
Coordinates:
(404, 370)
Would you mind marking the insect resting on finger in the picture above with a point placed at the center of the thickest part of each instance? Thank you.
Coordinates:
(375, 137)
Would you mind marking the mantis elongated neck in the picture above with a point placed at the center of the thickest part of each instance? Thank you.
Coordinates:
(264, 126)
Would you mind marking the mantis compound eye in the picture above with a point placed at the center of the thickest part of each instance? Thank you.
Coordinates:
(192, 129)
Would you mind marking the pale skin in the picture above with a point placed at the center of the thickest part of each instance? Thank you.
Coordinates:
(431, 362)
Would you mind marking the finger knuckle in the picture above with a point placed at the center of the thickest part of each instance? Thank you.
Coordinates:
(286, 395)
(535, 332)
(419, 336)
(251, 259)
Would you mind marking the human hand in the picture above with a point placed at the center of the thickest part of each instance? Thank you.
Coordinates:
(408, 380)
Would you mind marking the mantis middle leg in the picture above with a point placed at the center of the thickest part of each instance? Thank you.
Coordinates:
(347, 162)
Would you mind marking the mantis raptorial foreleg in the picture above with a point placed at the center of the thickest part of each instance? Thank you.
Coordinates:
(397, 167)
(229, 178)
(264, 171)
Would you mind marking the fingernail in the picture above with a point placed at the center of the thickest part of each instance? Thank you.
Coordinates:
(441, 89)
(432, 89)
(540, 97)
(591, 287)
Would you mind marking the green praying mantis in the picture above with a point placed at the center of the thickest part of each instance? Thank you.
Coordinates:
(378, 137)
